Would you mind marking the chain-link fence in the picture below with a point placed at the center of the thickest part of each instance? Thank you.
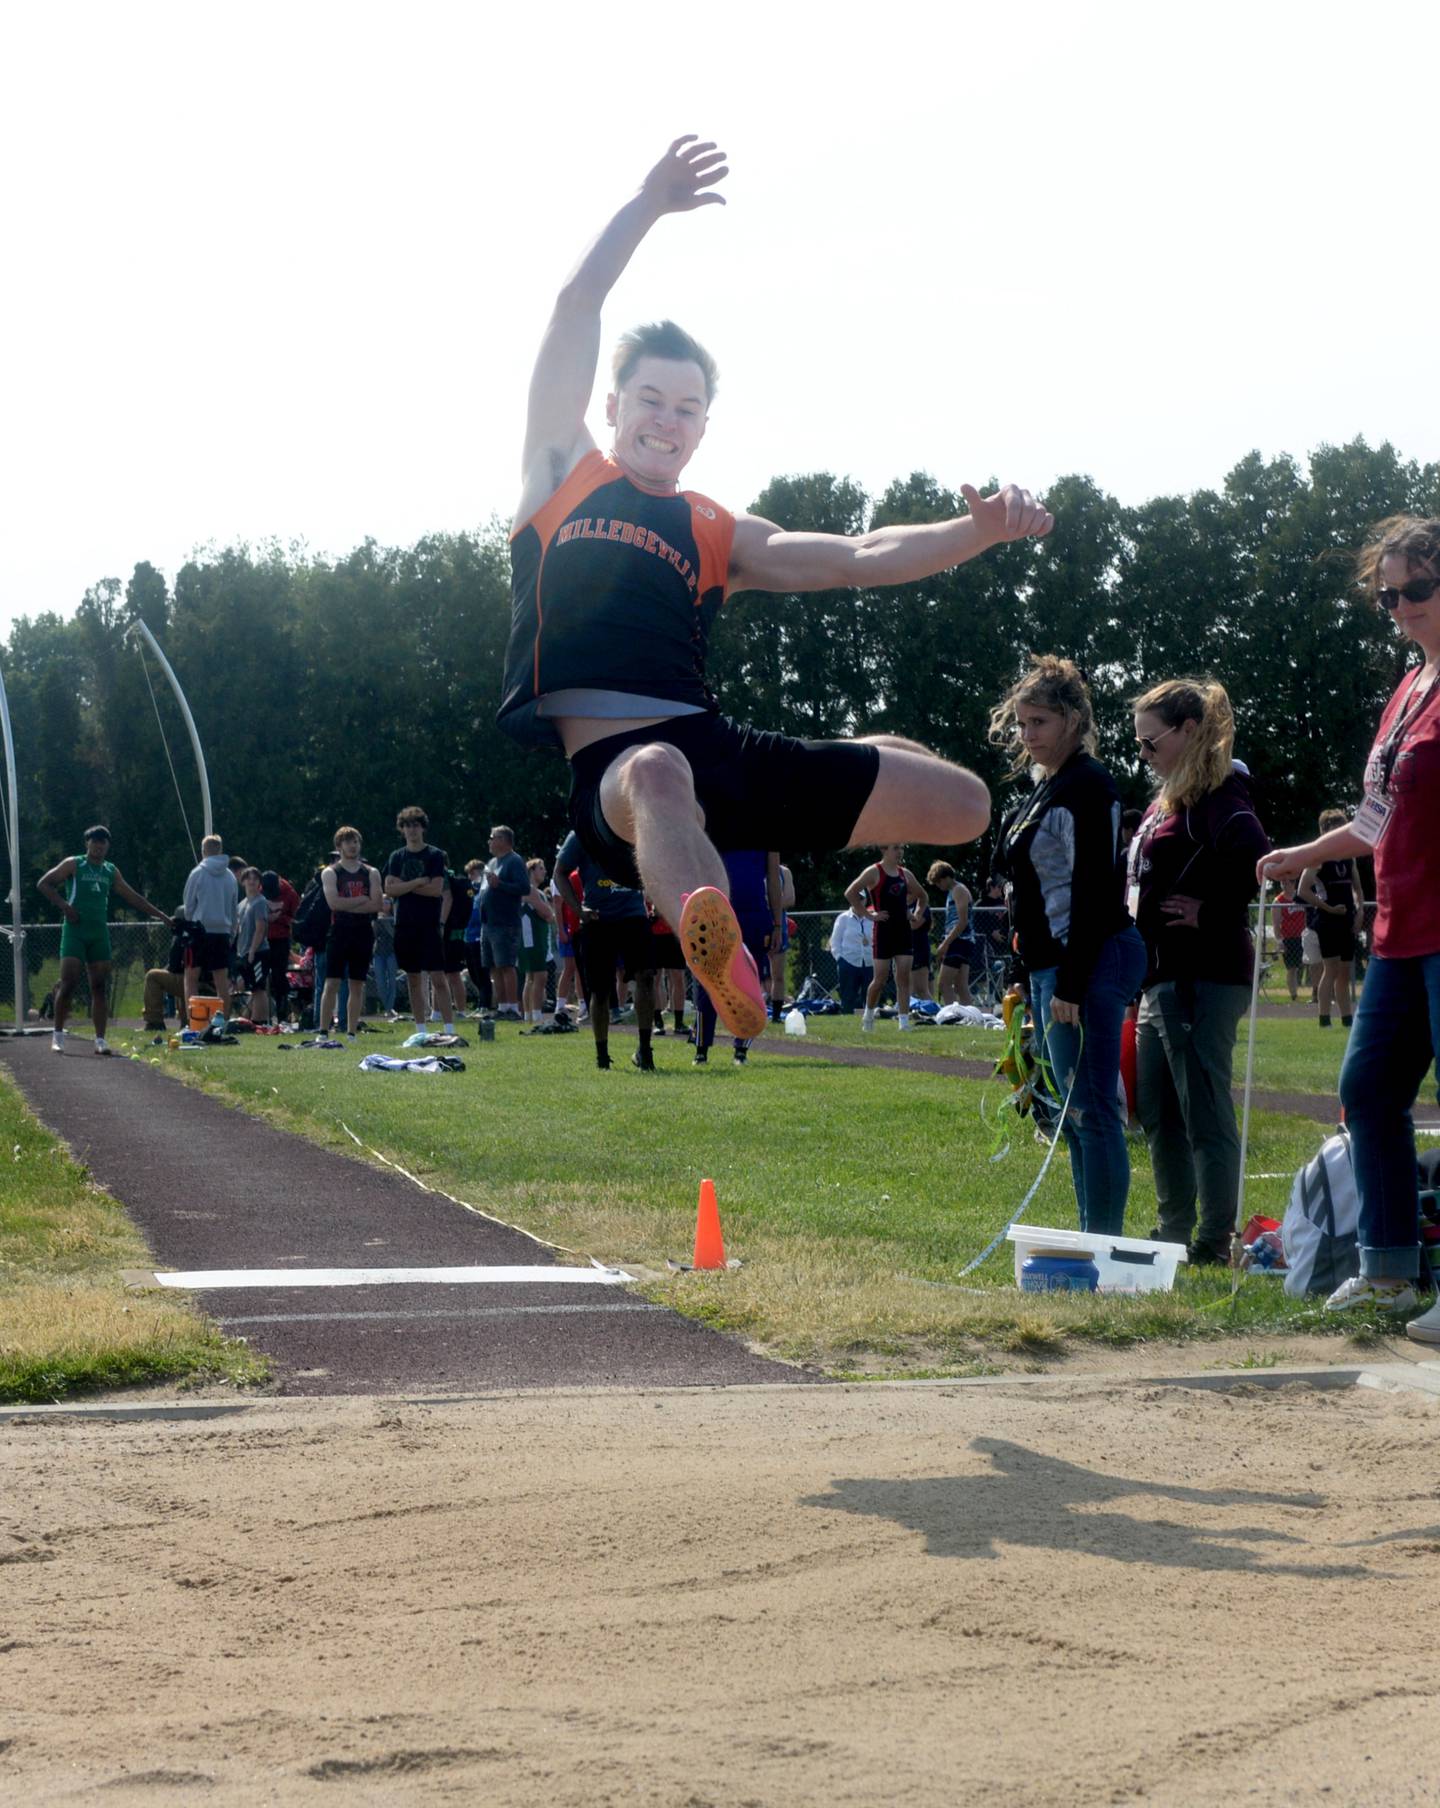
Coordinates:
(135, 948)
(809, 955)
(1294, 940)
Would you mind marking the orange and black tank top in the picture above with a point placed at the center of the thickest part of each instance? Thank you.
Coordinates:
(612, 589)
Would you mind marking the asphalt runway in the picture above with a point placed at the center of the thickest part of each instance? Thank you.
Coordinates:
(214, 1189)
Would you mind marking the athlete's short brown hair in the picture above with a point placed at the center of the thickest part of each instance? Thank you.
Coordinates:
(662, 339)
(344, 832)
(412, 813)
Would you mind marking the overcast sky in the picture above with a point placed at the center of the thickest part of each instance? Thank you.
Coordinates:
(278, 271)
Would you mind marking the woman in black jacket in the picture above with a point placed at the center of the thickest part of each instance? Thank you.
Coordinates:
(1060, 849)
(1192, 877)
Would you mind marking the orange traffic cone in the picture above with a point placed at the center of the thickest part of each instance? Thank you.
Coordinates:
(709, 1244)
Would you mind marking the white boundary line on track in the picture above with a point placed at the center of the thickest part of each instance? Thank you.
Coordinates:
(391, 1277)
(553, 1309)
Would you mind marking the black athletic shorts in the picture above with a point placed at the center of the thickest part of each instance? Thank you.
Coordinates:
(252, 974)
(961, 953)
(758, 789)
(892, 938)
(1337, 937)
(348, 956)
(454, 954)
(614, 941)
(419, 948)
(212, 954)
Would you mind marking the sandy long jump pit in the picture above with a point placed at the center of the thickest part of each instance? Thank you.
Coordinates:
(1045, 1593)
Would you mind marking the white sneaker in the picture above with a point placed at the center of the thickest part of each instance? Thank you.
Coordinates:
(902, 1022)
(57, 1042)
(1361, 1290)
(1426, 1328)
(867, 1021)
(102, 1047)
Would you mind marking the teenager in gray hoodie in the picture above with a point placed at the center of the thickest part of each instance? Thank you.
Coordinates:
(212, 899)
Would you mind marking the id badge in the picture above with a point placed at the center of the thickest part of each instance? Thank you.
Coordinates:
(1371, 820)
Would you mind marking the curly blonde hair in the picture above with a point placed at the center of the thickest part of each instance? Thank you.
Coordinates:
(1051, 683)
(1207, 759)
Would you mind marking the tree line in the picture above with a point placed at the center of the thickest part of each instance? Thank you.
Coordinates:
(338, 691)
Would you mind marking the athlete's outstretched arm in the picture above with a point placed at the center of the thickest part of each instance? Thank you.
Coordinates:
(765, 557)
(564, 374)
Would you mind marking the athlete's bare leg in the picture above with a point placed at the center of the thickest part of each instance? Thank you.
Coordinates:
(65, 989)
(648, 797)
(329, 1001)
(98, 973)
(920, 797)
(877, 984)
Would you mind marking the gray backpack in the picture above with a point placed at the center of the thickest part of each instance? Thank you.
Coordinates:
(1321, 1226)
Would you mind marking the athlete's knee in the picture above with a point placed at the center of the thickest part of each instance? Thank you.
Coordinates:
(656, 775)
(961, 804)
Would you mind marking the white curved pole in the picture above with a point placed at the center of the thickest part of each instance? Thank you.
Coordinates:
(154, 646)
(13, 792)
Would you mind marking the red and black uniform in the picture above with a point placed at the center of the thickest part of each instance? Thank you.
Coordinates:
(350, 945)
(614, 592)
(890, 900)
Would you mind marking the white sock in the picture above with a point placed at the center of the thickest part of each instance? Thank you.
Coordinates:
(57, 1035)
(449, 1029)
(904, 1020)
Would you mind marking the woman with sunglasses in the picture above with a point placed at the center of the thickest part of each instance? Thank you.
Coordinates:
(1192, 876)
(1060, 849)
(1397, 1024)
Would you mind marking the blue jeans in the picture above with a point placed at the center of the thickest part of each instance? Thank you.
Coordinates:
(382, 971)
(1391, 1050)
(1095, 1122)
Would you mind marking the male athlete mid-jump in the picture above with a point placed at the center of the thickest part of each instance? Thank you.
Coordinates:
(618, 575)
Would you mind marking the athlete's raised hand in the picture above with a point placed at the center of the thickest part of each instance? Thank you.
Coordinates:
(1010, 514)
(685, 176)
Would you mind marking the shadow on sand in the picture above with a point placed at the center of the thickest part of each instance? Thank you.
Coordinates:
(1027, 1498)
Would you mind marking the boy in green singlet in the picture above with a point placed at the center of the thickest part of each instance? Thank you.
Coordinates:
(85, 939)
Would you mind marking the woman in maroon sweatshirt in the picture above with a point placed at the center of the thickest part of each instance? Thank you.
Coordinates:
(1192, 877)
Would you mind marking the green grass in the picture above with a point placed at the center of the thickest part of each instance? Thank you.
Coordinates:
(852, 1196)
(67, 1322)
(1291, 1054)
